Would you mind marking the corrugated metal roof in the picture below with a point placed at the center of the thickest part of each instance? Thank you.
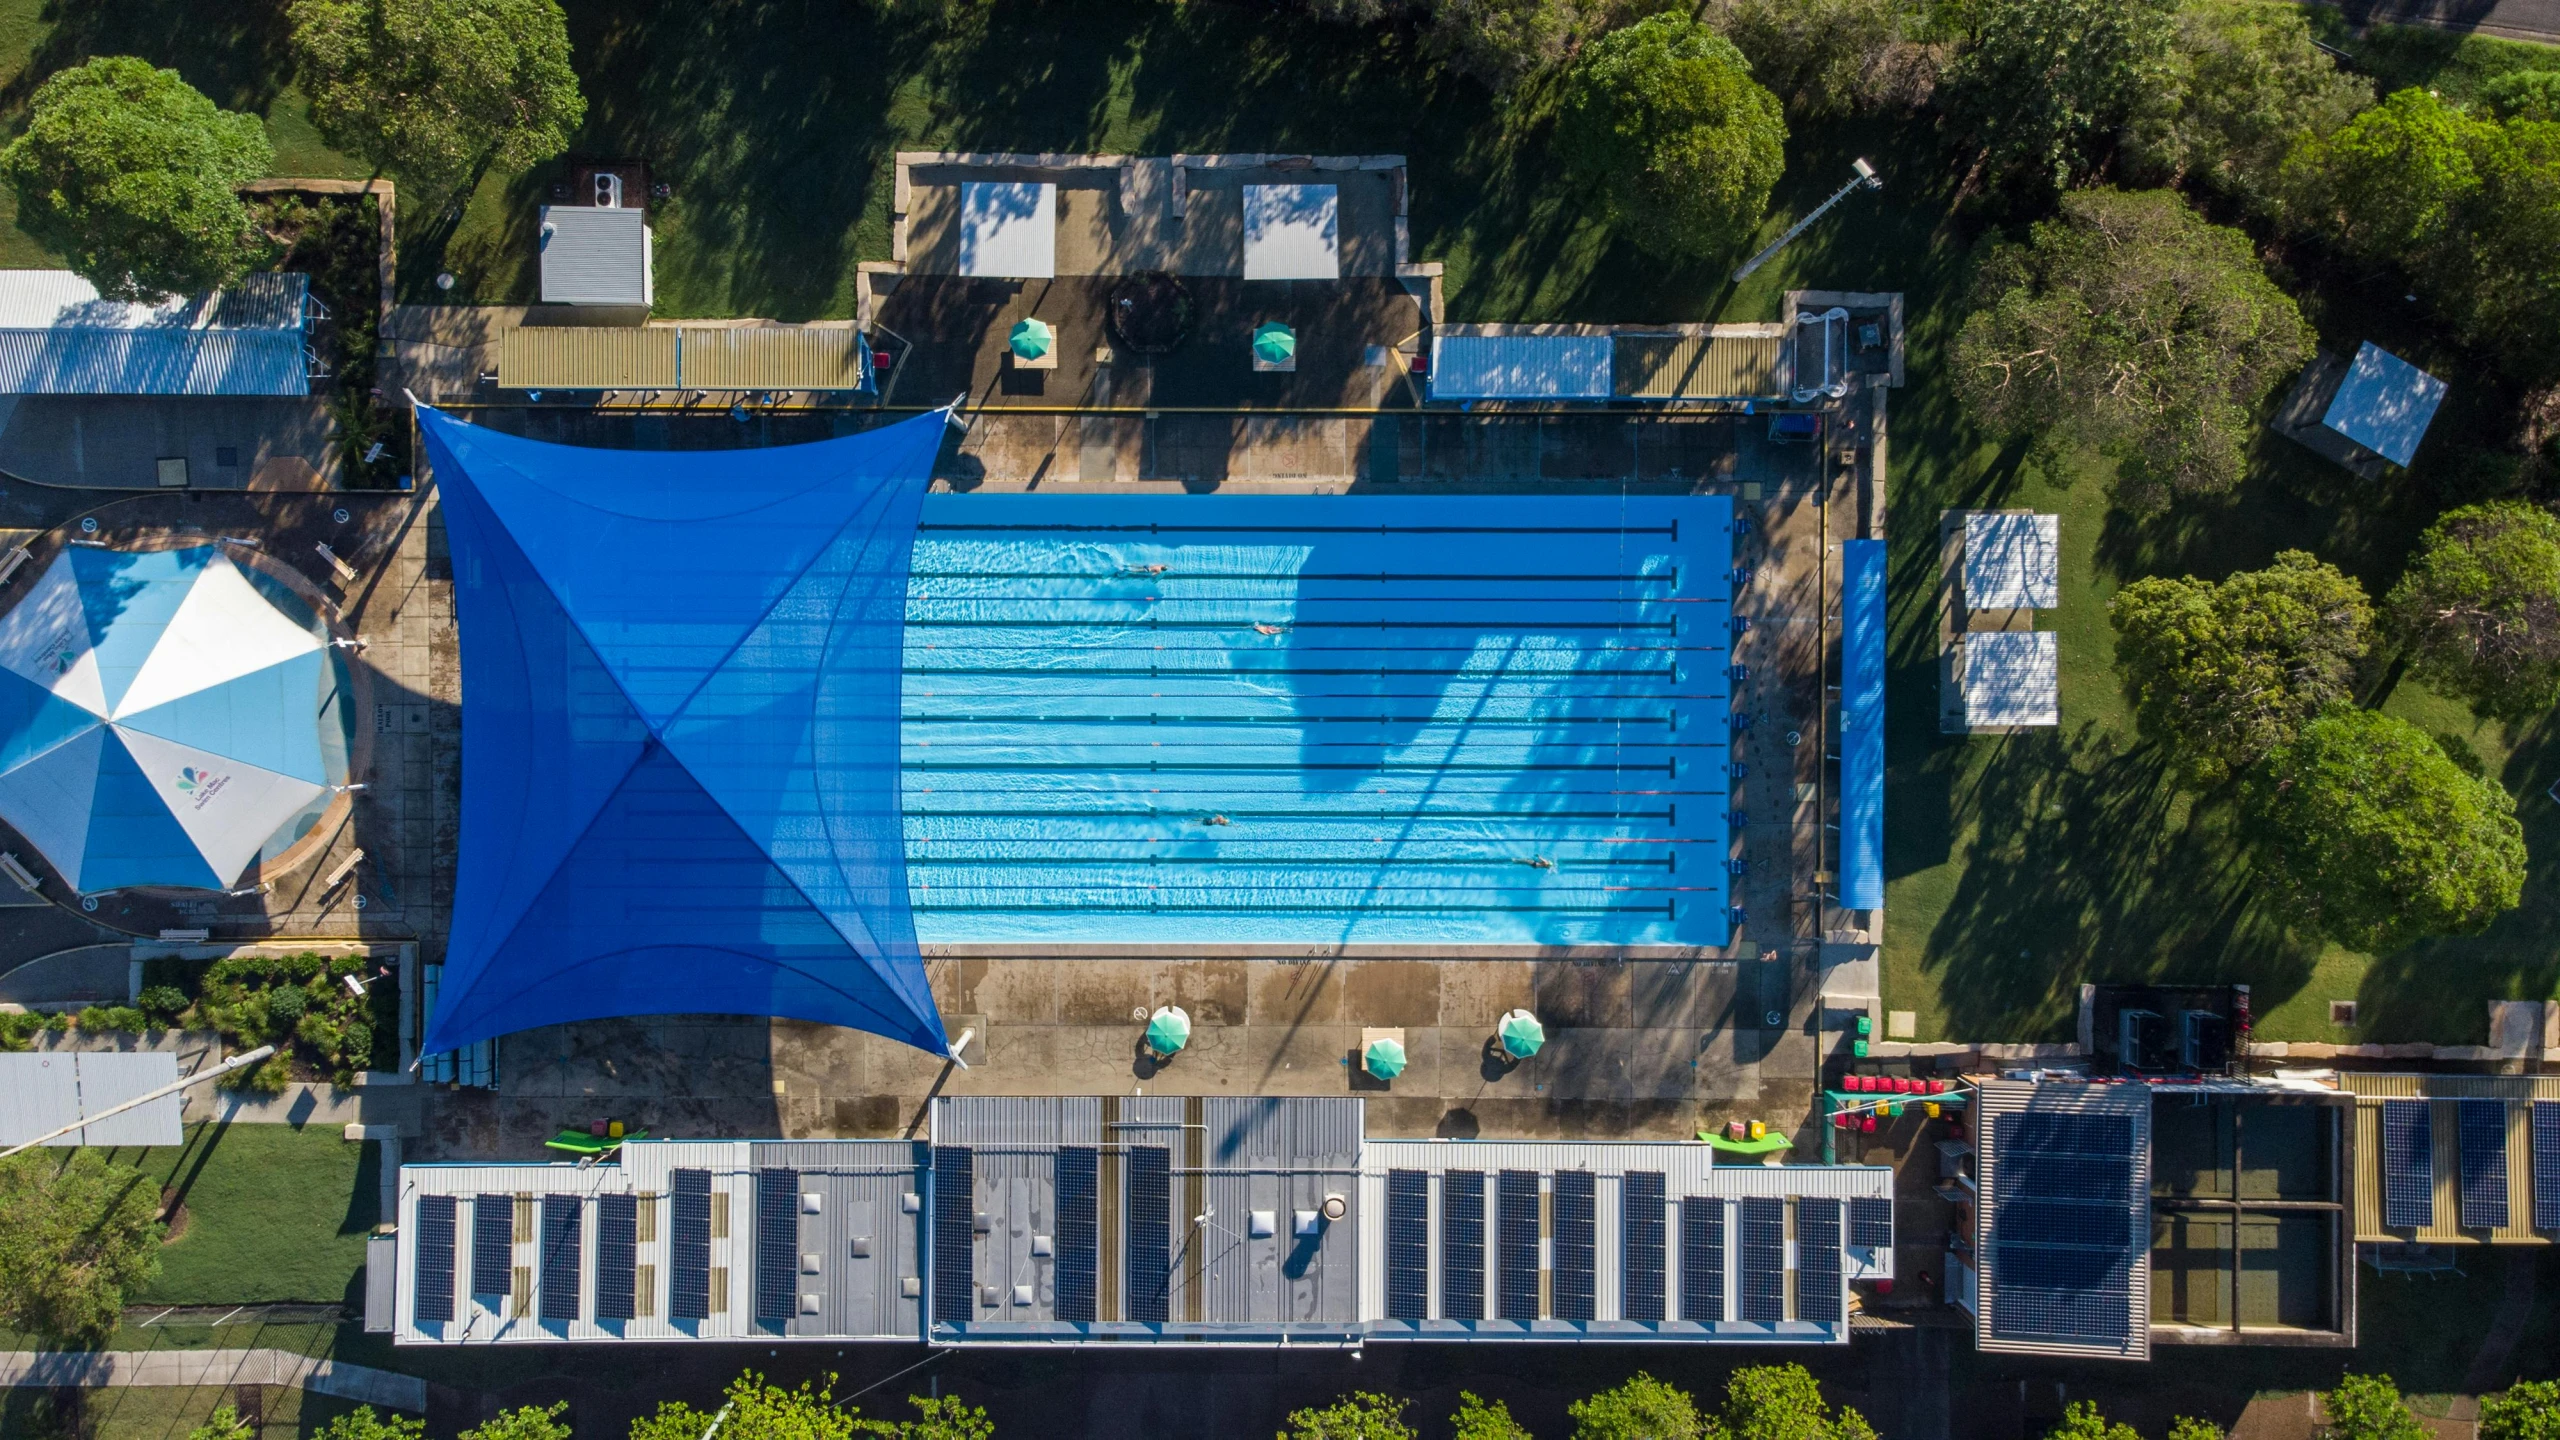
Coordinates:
(2368, 1085)
(153, 362)
(1699, 367)
(983, 1121)
(61, 300)
(2446, 1092)
(1521, 367)
(774, 357)
(587, 357)
(595, 255)
(1996, 1100)
(45, 1091)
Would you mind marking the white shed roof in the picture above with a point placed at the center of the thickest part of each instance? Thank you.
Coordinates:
(2385, 404)
(1009, 229)
(2012, 678)
(1292, 232)
(2012, 561)
(46, 1090)
(1522, 367)
(596, 255)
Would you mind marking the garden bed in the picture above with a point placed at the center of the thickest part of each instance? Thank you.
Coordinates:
(323, 1030)
(336, 239)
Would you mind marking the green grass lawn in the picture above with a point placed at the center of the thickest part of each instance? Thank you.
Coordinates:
(273, 1213)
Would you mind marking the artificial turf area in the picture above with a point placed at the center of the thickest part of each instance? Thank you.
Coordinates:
(2019, 868)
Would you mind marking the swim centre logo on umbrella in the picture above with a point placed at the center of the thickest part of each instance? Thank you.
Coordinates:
(200, 784)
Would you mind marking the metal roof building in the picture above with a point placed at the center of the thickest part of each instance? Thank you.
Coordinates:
(2012, 561)
(2012, 678)
(1108, 1219)
(46, 1090)
(596, 255)
(59, 337)
(2064, 1172)
(2457, 1159)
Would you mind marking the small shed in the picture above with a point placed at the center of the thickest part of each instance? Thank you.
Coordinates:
(1292, 232)
(2012, 562)
(2385, 404)
(596, 255)
(2011, 679)
(1516, 366)
(1009, 229)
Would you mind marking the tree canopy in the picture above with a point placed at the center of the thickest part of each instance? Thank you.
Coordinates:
(2130, 324)
(1665, 119)
(1783, 1402)
(1641, 1409)
(2082, 1421)
(2479, 607)
(2374, 836)
(525, 1422)
(431, 88)
(1836, 56)
(2526, 1410)
(1360, 1415)
(362, 1423)
(1479, 1419)
(132, 175)
(2220, 674)
(2369, 1407)
(2244, 85)
(758, 1410)
(2039, 84)
(77, 1234)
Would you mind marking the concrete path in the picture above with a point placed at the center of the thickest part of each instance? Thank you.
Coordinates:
(318, 1374)
(2507, 19)
(85, 975)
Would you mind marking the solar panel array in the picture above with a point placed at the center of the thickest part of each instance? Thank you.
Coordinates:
(2546, 1165)
(955, 1209)
(2481, 1126)
(2063, 1245)
(431, 1302)
(1515, 1245)
(1640, 1245)
(1408, 1245)
(689, 1245)
(1701, 1259)
(493, 1232)
(1871, 1222)
(1462, 1244)
(1764, 1258)
(1818, 1284)
(617, 1257)
(1079, 1253)
(563, 1238)
(777, 1243)
(1150, 1233)
(1577, 1245)
(2408, 1164)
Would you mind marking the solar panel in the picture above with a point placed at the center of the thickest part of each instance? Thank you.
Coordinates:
(777, 1243)
(1871, 1222)
(1818, 1292)
(2064, 1241)
(1150, 1234)
(617, 1257)
(1462, 1244)
(955, 1208)
(1764, 1258)
(2408, 1164)
(563, 1224)
(2481, 1126)
(1640, 1243)
(1515, 1245)
(1577, 1245)
(493, 1239)
(1701, 1258)
(431, 1302)
(689, 1245)
(1408, 1245)
(2546, 1165)
(1078, 1265)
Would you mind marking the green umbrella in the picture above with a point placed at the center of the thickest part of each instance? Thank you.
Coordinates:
(1274, 343)
(1031, 339)
(1385, 1058)
(1168, 1030)
(1521, 1034)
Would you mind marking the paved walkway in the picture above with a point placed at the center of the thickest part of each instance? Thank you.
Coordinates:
(2508, 19)
(316, 1373)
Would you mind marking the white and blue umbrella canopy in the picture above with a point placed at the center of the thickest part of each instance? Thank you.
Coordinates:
(160, 718)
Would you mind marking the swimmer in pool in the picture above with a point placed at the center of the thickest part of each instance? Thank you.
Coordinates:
(1142, 569)
(1261, 629)
(1215, 820)
(1537, 862)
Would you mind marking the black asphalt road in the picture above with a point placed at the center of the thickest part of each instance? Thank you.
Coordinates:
(2507, 19)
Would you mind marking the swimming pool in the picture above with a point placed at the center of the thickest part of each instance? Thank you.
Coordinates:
(1321, 720)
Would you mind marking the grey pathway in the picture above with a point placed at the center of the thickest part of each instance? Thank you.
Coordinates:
(2509, 19)
(88, 975)
(318, 1374)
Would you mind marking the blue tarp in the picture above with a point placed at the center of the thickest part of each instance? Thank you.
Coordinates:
(1862, 725)
(680, 779)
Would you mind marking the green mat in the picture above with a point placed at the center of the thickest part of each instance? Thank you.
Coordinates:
(1768, 1144)
(579, 1142)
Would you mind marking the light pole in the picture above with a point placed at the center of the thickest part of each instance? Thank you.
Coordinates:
(1866, 176)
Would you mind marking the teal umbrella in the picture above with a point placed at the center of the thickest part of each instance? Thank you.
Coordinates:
(1274, 343)
(1031, 339)
(1521, 1034)
(1385, 1058)
(1168, 1030)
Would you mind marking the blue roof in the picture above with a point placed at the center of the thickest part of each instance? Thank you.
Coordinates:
(2385, 404)
(1862, 628)
(680, 778)
(1522, 367)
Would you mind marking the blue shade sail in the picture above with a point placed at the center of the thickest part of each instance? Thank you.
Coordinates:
(1862, 631)
(680, 732)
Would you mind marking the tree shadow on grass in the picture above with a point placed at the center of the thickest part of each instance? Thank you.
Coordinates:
(235, 52)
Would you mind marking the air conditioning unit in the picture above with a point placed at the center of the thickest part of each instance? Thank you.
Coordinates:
(2204, 1041)
(2142, 1042)
(608, 190)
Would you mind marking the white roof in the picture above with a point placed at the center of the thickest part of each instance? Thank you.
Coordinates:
(2385, 404)
(596, 255)
(1292, 232)
(2012, 678)
(47, 1090)
(1009, 229)
(1522, 367)
(2012, 561)
(61, 300)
